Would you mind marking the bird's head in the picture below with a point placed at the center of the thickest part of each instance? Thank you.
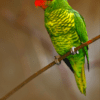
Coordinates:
(42, 3)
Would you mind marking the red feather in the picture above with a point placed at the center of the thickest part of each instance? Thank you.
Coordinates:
(40, 3)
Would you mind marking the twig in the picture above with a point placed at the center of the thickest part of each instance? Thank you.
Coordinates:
(47, 67)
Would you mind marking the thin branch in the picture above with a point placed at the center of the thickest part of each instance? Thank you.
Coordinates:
(47, 67)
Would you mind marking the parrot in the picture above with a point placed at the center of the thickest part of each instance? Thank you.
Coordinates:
(67, 30)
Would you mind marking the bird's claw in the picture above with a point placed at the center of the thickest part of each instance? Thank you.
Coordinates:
(56, 60)
(73, 51)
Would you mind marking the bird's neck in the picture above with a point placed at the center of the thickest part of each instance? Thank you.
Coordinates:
(56, 4)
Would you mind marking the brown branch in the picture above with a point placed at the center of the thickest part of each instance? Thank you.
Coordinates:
(47, 67)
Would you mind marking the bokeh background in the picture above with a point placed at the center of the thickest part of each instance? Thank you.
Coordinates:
(25, 47)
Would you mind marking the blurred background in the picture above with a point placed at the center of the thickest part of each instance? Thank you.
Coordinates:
(25, 47)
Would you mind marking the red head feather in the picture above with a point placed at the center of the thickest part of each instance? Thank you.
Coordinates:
(40, 3)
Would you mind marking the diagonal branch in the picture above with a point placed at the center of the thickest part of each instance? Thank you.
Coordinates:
(47, 67)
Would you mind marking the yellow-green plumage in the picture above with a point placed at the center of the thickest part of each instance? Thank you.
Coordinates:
(66, 28)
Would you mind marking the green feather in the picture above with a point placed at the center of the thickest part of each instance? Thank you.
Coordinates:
(67, 28)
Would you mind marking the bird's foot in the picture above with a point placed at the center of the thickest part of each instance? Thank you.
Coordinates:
(73, 51)
(56, 60)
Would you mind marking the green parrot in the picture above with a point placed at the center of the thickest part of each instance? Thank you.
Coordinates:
(67, 30)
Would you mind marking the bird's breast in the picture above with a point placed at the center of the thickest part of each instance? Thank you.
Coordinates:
(59, 22)
(60, 25)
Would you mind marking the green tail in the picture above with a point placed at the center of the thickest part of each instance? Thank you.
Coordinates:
(87, 56)
(81, 81)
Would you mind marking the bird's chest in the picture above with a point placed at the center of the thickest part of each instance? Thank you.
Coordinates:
(59, 22)
(60, 25)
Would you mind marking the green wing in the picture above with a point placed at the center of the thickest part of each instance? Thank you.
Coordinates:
(81, 27)
(81, 31)
(83, 20)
